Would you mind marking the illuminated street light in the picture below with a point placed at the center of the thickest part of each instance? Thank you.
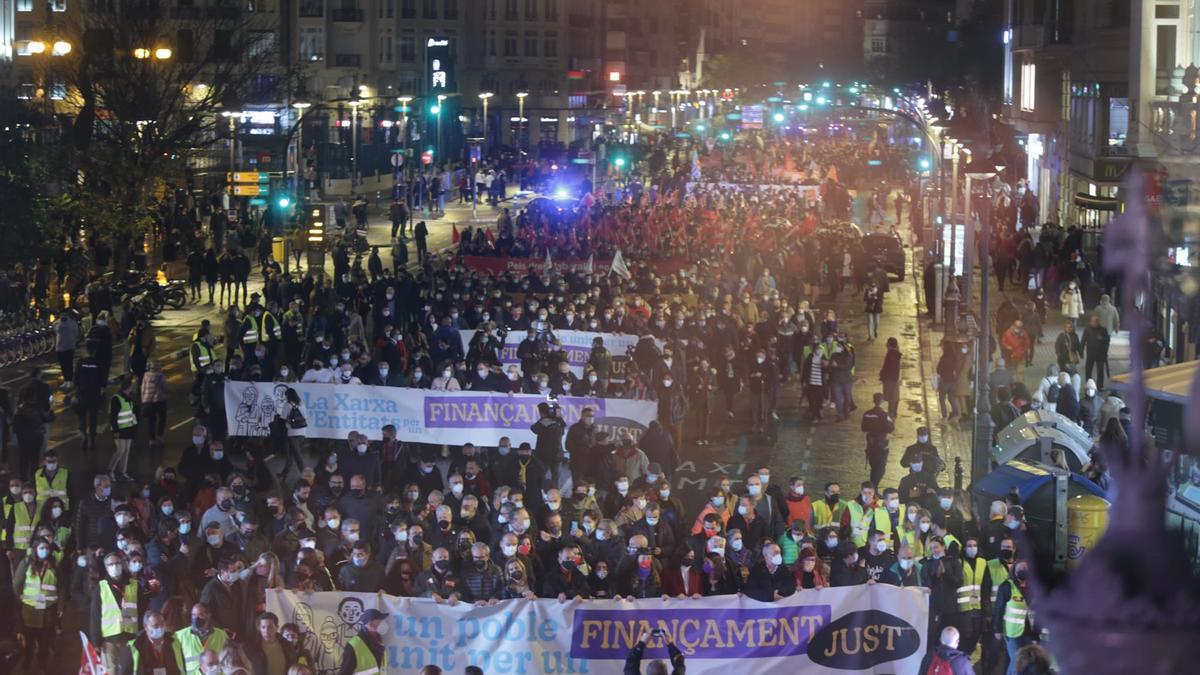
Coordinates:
(162, 53)
(61, 48)
(37, 47)
(141, 53)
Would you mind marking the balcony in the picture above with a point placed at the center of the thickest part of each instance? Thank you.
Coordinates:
(1175, 122)
(348, 14)
(347, 60)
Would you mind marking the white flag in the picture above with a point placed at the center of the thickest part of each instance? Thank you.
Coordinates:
(549, 263)
(588, 269)
(618, 266)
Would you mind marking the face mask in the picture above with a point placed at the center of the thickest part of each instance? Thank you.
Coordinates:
(1006, 555)
(217, 455)
(114, 571)
(742, 510)
(56, 513)
(833, 499)
(184, 528)
(754, 490)
(308, 543)
(777, 560)
(945, 502)
(923, 438)
(760, 359)
(736, 544)
(503, 450)
(168, 509)
(924, 527)
(360, 561)
(652, 521)
(623, 486)
(43, 553)
(893, 504)
(798, 490)
(135, 567)
(881, 546)
(51, 467)
(718, 501)
(213, 540)
(427, 469)
(1013, 524)
(122, 521)
(906, 564)
(640, 503)
(664, 494)
(917, 466)
(416, 375)
(28, 497)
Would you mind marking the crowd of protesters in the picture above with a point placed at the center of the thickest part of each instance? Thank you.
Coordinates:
(578, 514)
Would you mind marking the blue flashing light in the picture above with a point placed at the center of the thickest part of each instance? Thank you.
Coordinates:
(284, 202)
(924, 164)
(562, 193)
(778, 117)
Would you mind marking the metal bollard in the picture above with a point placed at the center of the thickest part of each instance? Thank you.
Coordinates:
(958, 474)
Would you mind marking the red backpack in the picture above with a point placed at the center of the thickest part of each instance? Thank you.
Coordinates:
(939, 666)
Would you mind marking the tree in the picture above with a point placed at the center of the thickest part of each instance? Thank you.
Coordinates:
(145, 87)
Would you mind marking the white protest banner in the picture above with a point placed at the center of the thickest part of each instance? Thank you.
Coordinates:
(576, 343)
(420, 415)
(877, 629)
(810, 193)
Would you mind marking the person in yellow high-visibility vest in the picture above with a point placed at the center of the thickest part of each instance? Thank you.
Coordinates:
(1011, 618)
(51, 480)
(191, 642)
(860, 513)
(364, 654)
(22, 520)
(113, 613)
(828, 511)
(13, 497)
(153, 651)
(36, 585)
(998, 571)
(970, 595)
(250, 332)
(122, 419)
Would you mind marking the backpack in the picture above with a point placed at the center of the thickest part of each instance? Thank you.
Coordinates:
(1052, 393)
(939, 666)
(296, 419)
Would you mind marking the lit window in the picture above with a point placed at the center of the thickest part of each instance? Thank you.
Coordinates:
(1028, 84)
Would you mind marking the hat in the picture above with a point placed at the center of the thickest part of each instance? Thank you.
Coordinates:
(922, 430)
(373, 615)
(1017, 512)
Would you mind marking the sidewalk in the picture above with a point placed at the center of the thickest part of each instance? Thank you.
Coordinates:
(954, 439)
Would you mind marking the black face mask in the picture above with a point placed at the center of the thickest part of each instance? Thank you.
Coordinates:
(481, 565)
(1006, 556)
(357, 492)
(832, 499)
(226, 504)
(441, 565)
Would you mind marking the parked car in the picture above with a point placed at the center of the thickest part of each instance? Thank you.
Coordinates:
(885, 250)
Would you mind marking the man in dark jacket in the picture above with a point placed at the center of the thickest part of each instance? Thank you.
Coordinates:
(362, 573)
(565, 581)
(877, 424)
(769, 579)
(267, 643)
(549, 430)
(483, 581)
(224, 596)
(581, 438)
(633, 662)
(150, 651)
(95, 526)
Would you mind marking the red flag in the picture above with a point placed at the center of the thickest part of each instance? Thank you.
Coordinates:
(490, 237)
(89, 659)
(453, 234)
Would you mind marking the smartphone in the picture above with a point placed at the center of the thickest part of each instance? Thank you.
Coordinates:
(657, 633)
(574, 525)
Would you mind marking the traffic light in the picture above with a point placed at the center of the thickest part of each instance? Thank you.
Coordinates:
(725, 135)
(619, 162)
(435, 109)
(284, 202)
(924, 164)
(778, 117)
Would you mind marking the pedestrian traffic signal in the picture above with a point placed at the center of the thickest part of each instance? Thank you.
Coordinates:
(924, 164)
(284, 202)
(619, 162)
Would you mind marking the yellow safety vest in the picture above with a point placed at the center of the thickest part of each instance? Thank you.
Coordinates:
(22, 526)
(1016, 611)
(126, 419)
(203, 356)
(998, 573)
(860, 521)
(912, 537)
(8, 507)
(823, 516)
(275, 330)
(972, 585)
(250, 334)
(168, 643)
(39, 592)
(188, 647)
(115, 618)
(56, 487)
(364, 660)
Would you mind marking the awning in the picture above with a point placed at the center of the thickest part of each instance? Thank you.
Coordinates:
(1168, 383)
(1084, 200)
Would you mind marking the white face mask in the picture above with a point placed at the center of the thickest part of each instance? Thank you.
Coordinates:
(916, 467)
(754, 490)
(881, 546)
(924, 527)
(777, 560)
(736, 544)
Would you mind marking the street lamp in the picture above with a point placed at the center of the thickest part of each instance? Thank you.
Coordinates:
(354, 104)
(404, 101)
(654, 110)
(437, 110)
(982, 170)
(61, 48)
(485, 96)
(301, 107)
(521, 96)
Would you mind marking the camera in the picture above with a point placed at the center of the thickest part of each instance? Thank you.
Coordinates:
(657, 633)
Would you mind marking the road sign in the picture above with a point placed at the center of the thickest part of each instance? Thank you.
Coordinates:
(248, 190)
(248, 177)
(397, 159)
